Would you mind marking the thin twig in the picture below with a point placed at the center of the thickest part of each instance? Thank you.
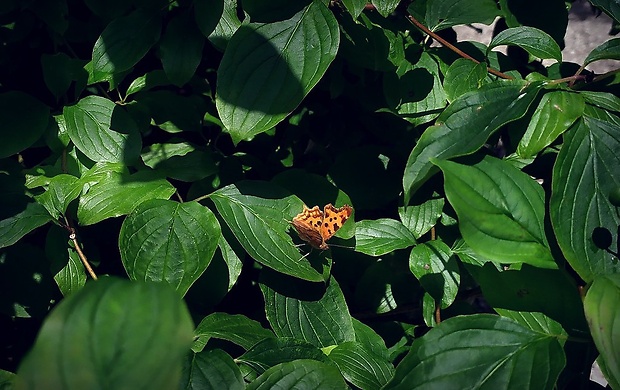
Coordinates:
(81, 255)
(454, 48)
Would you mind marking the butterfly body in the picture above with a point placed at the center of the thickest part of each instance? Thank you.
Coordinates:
(316, 227)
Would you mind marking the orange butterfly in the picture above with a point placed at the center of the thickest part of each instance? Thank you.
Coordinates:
(316, 227)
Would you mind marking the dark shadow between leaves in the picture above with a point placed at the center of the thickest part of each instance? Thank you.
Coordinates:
(292, 287)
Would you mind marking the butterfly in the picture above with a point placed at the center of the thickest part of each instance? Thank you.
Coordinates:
(316, 227)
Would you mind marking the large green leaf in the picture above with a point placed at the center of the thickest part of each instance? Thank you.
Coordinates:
(108, 190)
(211, 370)
(260, 226)
(300, 374)
(465, 126)
(442, 14)
(162, 240)
(555, 113)
(478, 352)
(360, 366)
(236, 328)
(267, 69)
(436, 268)
(102, 130)
(324, 322)
(14, 228)
(125, 41)
(500, 211)
(113, 334)
(602, 307)
(536, 42)
(381, 236)
(24, 119)
(584, 176)
(181, 48)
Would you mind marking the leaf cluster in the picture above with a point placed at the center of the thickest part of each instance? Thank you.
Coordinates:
(162, 148)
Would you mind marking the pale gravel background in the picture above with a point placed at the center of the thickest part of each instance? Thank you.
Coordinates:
(585, 31)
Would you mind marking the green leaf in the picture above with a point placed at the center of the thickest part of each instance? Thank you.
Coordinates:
(602, 308)
(500, 211)
(419, 219)
(102, 130)
(300, 374)
(150, 80)
(207, 14)
(355, 7)
(415, 91)
(538, 322)
(480, 351)
(385, 7)
(536, 42)
(465, 125)
(381, 236)
(584, 176)
(233, 262)
(181, 161)
(442, 14)
(605, 100)
(369, 339)
(555, 113)
(60, 192)
(181, 48)
(463, 75)
(611, 7)
(125, 41)
(108, 190)
(267, 69)
(235, 328)
(226, 26)
(65, 264)
(273, 351)
(59, 70)
(21, 115)
(14, 228)
(609, 50)
(260, 226)
(361, 366)
(213, 369)
(6, 380)
(436, 268)
(551, 292)
(162, 240)
(323, 322)
(135, 335)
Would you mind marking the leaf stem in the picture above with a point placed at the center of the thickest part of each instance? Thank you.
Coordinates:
(81, 255)
(454, 48)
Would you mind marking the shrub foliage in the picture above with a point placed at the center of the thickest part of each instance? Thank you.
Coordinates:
(161, 150)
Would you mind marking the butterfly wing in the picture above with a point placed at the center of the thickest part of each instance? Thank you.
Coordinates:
(308, 223)
(333, 219)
